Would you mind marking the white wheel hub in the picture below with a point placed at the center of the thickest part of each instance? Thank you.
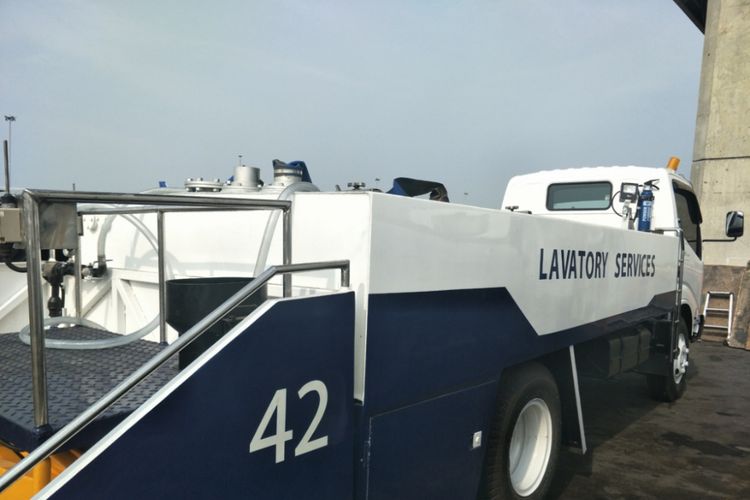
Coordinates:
(680, 359)
(530, 447)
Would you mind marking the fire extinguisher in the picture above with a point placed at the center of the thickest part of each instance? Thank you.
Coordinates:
(646, 206)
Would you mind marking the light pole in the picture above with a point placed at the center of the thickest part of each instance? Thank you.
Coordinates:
(10, 119)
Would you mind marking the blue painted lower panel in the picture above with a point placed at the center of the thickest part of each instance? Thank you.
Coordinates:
(432, 441)
(421, 345)
(195, 443)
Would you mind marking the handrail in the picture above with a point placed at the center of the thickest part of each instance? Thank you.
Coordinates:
(160, 247)
(153, 199)
(100, 406)
(32, 199)
(149, 209)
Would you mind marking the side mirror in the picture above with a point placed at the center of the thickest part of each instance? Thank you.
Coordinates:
(735, 225)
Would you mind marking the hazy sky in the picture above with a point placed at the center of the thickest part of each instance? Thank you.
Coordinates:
(119, 95)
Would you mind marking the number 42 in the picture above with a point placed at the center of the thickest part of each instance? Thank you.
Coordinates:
(282, 435)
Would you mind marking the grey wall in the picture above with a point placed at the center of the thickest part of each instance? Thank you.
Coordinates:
(721, 158)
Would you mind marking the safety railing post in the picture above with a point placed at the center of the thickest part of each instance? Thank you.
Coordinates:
(162, 277)
(36, 309)
(287, 249)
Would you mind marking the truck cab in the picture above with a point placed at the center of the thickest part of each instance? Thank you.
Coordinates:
(608, 196)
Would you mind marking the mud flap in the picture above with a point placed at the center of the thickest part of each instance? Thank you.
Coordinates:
(661, 345)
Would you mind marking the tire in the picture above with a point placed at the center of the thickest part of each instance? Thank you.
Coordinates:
(524, 442)
(671, 387)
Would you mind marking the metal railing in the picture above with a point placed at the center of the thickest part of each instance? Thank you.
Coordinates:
(78, 423)
(33, 199)
(161, 248)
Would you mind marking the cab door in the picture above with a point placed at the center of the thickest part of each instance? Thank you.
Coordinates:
(689, 219)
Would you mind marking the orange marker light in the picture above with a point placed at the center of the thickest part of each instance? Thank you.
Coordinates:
(673, 163)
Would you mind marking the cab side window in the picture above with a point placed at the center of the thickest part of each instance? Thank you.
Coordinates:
(689, 217)
(579, 196)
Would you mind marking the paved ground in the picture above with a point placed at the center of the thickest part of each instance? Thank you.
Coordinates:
(696, 448)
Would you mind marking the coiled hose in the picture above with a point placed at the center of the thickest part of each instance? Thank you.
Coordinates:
(273, 218)
(67, 321)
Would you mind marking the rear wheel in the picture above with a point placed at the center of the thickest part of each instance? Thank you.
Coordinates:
(671, 387)
(525, 439)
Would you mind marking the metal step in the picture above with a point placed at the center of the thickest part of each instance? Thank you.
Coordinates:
(719, 312)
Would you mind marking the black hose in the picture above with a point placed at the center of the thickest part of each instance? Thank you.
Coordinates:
(15, 268)
(612, 205)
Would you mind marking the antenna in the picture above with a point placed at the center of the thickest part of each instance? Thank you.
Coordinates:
(7, 167)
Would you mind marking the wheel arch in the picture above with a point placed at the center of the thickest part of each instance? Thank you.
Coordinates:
(562, 367)
(686, 314)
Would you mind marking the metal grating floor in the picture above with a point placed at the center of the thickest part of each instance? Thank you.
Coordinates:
(75, 380)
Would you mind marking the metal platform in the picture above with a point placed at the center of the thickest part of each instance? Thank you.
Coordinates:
(76, 379)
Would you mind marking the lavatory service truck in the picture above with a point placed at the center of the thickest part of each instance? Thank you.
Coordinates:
(333, 345)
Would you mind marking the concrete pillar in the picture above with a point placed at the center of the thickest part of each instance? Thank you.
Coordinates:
(721, 158)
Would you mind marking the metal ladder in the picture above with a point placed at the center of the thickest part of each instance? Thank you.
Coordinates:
(716, 311)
